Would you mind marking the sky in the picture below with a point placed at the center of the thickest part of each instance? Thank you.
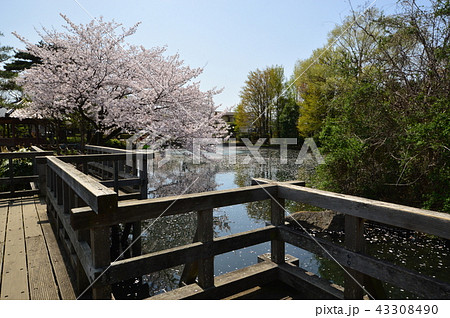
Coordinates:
(227, 38)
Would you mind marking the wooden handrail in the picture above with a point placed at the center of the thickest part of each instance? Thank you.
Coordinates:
(22, 155)
(148, 263)
(103, 210)
(106, 149)
(429, 222)
(103, 157)
(96, 195)
(130, 211)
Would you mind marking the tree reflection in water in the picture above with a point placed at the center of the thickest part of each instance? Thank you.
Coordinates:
(180, 175)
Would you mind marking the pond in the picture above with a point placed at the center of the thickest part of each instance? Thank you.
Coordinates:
(179, 175)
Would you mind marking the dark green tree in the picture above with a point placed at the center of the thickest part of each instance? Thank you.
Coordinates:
(13, 93)
(5, 54)
(289, 117)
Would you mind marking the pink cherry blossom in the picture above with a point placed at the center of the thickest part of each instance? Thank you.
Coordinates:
(90, 72)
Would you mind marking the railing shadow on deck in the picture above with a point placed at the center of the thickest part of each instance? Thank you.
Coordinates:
(85, 209)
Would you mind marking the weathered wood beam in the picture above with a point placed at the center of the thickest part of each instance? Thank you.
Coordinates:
(277, 246)
(409, 280)
(312, 286)
(130, 211)
(19, 178)
(149, 263)
(430, 222)
(355, 242)
(96, 195)
(100, 157)
(206, 236)
(100, 245)
(22, 155)
(256, 181)
(81, 248)
(227, 284)
(18, 194)
(122, 182)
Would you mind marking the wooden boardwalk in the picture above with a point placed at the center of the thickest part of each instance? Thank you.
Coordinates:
(32, 265)
(86, 210)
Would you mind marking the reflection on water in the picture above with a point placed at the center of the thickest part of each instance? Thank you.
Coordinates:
(181, 176)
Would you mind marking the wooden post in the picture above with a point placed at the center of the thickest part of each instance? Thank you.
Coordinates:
(100, 245)
(144, 177)
(137, 245)
(54, 182)
(190, 270)
(116, 176)
(67, 193)
(277, 218)
(11, 174)
(354, 241)
(49, 180)
(47, 177)
(103, 170)
(134, 165)
(35, 170)
(82, 281)
(42, 178)
(205, 235)
(59, 190)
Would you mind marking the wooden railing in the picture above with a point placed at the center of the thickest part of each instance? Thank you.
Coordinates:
(85, 209)
(111, 171)
(68, 188)
(130, 167)
(12, 180)
(93, 181)
(352, 255)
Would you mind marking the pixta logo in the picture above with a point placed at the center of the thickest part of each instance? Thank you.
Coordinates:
(308, 151)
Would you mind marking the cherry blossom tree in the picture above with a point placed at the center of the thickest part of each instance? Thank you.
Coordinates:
(91, 75)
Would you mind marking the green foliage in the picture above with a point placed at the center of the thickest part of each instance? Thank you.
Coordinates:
(13, 93)
(243, 122)
(4, 51)
(288, 119)
(378, 100)
(21, 167)
(116, 143)
(315, 84)
(264, 98)
(4, 56)
(74, 139)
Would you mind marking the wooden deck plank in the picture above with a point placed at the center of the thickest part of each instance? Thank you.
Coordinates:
(15, 278)
(60, 265)
(30, 218)
(41, 280)
(244, 293)
(226, 284)
(40, 273)
(312, 286)
(58, 260)
(3, 219)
